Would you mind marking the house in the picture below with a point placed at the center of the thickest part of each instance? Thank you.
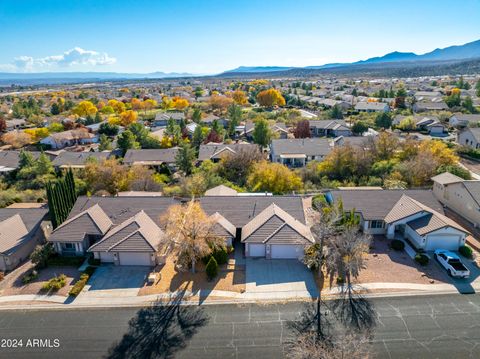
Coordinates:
(151, 157)
(69, 138)
(459, 120)
(15, 124)
(67, 159)
(429, 106)
(372, 107)
(461, 196)
(414, 215)
(209, 119)
(215, 151)
(127, 230)
(297, 152)
(278, 129)
(221, 190)
(430, 124)
(333, 128)
(21, 229)
(9, 160)
(470, 137)
(275, 234)
(135, 241)
(162, 118)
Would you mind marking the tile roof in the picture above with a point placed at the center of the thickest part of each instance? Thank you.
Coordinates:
(223, 227)
(307, 146)
(12, 230)
(447, 178)
(73, 159)
(376, 204)
(92, 221)
(137, 234)
(272, 222)
(151, 156)
(207, 151)
(11, 159)
(221, 190)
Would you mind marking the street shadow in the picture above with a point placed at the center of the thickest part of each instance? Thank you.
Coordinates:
(159, 331)
(354, 310)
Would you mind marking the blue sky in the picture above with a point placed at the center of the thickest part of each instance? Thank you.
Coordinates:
(212, 36)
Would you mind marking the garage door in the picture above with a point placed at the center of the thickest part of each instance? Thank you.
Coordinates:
(135, 259)
(286, 251)
(256, 250)
(106, 257)
(446, 241)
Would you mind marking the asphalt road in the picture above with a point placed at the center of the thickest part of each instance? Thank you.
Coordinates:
(411, 327)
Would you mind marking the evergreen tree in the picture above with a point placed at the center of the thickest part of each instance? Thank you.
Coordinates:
(197, 137)
(235, 116)
(61, 196)
(336, 112)
(126, 141)
(185, 158)
(262, 133)
(197, 115)
(383, 120)
(105, 143)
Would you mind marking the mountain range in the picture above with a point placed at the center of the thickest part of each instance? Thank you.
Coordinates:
(467, 51)
(447, 60)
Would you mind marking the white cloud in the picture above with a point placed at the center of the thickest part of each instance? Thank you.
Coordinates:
(75, 57)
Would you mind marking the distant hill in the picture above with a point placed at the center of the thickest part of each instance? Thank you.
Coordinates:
(467, 51)
(74, 77)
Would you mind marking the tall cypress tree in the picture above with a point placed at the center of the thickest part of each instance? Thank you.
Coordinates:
(61, 195)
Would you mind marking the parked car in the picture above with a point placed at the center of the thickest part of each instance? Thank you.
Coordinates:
(452, 263)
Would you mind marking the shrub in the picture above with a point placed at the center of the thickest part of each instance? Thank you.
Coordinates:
(57, 260)
(221, 256)
(319, 201)
(29, 276)
(93, 261)
(466, 251)
(212, 268)
(421, 259)
(41, 255)
(55, 283)
(397, 245)
(79, 284)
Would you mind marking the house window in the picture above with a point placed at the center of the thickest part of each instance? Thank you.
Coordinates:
(376, 224)
(68, 246)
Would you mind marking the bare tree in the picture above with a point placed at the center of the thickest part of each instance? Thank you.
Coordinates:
(189, 234)
(348, 345)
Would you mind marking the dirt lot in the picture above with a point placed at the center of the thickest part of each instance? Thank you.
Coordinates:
(12, 284)
(228, 279)
(387, 265)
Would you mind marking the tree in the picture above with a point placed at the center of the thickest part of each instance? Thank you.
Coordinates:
(197, 137)
(61, 195)
(185, 158)
(240, 97)
(359, 127)
(16, 139)
(271, 97)
(127, 141)
(336, 112)
(235, 116)
(220, 103)
(477, 88)
(214, 137)
(302, 129)
(108, 129)
(236, 166)
(212, 268)
(108, 175)
(383, 120)
(262, 133)
(407, 124)
(41, 254)
(189, 234)
(467, 104)
(105, 143)
(273, 177)
(85, 108)
(179, 103)
(453, 100)
(128, 117)
(197, 115)
(117, 106)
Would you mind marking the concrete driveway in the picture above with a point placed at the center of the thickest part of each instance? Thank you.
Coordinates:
(281, 278)
(114, 282)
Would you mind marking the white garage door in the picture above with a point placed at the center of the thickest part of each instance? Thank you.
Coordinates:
(135, 259)
(106, 257)
(446, 241)
(256, 250)
(287, 251)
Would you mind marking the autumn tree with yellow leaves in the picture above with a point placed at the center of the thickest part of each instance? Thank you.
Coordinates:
(273, 177)
(270, 98)
(85, 108)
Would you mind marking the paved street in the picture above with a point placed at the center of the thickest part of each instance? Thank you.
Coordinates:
(412, 327)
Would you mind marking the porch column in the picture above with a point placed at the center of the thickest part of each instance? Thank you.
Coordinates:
(391, 231)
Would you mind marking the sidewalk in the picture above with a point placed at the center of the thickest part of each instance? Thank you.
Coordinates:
(218, 297)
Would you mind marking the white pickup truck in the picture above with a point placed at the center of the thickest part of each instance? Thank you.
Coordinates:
(451, 262)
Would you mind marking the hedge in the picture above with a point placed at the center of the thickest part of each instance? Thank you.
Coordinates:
(79, 284)
(397, 245)
(212, 268)
(466, 251)
(55, 283)
(421, 259)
